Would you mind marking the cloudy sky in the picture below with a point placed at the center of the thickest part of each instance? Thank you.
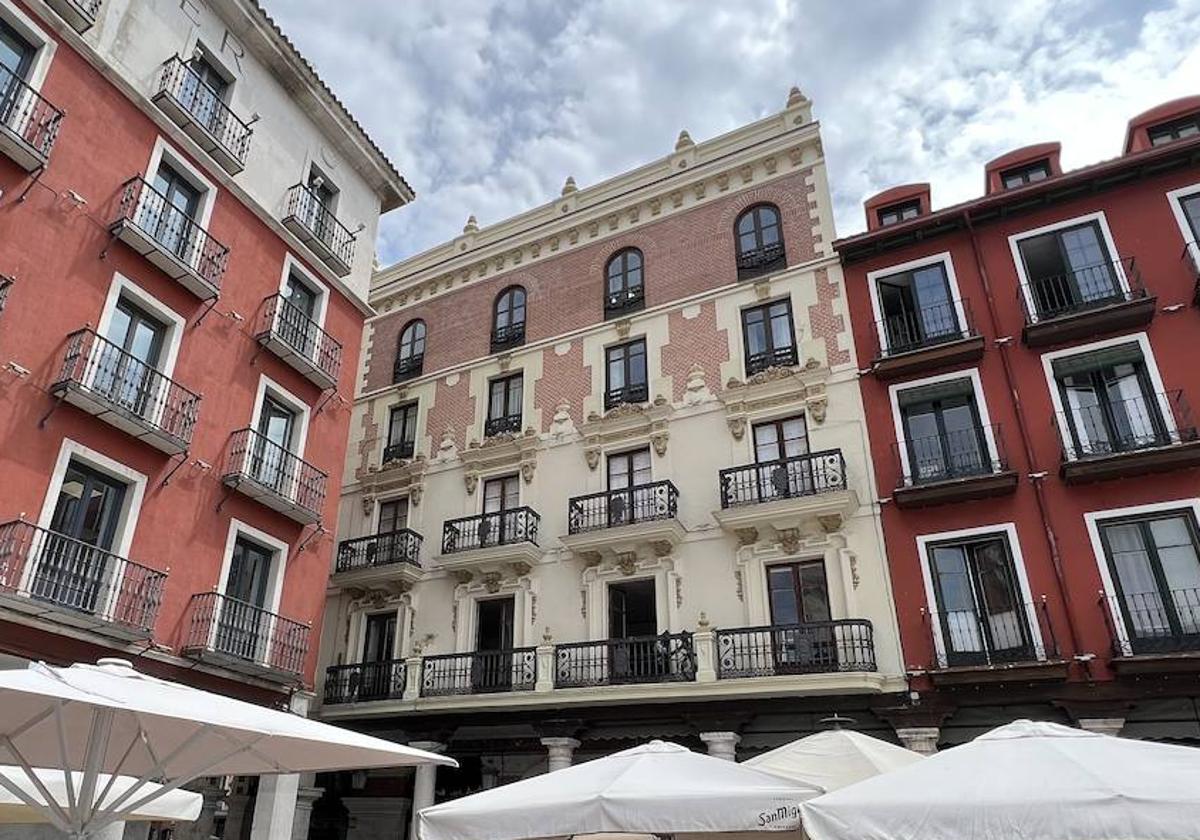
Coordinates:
(487, 105)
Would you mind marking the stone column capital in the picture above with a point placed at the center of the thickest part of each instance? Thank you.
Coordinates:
(919, 739)
(721, 744)
(560, 751)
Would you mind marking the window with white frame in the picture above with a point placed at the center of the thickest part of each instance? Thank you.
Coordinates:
(942, 429)
(917, 305)
(1068, 267)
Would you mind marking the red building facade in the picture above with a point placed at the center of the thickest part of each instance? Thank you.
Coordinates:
(1026, 372)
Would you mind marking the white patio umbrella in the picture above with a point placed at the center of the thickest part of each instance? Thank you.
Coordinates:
(657, 788)
(833, 759)
(1024, 780)
(173, 805)
(108, 718)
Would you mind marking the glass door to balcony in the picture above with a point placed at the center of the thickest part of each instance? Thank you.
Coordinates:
(799, 597)
(1155, 567)
(379, 645)
(1191, 212)
(202, 94)
(73, 564)
(778, 445)
(296, 321)
(389, 547)
(271, 458)
(243, 626)
(944, 438)
(126, 368)
(492, 664)
(16, 59)
(501, 496)
(635, 652)
(1109, 402)
(1068, 270)
(626, 470)
(318, 215)
(917, 309)
(169, 213)
(979, 605)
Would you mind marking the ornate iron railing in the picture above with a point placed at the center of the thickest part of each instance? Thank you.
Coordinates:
(310, 212)
(815, 647)
(965, 453)
(25, 114)
(926, 327)
(966, 638)
(786, 478)
(270, 466)
(399, 451)
(624, 302)
(407, 368)
(364, 682)
(1147, 421)
(128, 385)
(627, 506)
(670, 657)
(173, 230)
(1153, 622)
(510, 423)
(779, 357)
(219, 624)
(637, 392)
(479, 672)
(759, 261)
(1081, 289)
(288, 322)
(47, 566)
(506, 527)
(403, 546)
(512, 335)
(206, 107)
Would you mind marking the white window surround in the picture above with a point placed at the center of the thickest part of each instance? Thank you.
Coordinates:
(380, 501)
(1175, 198)
(466, 606)
(321, 169)
(291, 266)
(123, 287)
(1005, 529)
(1093, 520)
(985, 419)
(268, 386)
(213, 57)
(29, 29)
(1143, 341)
(237, 528)
(873, 278)
(1023, 277)
(501, 472)
(163, 151)
(359, 643)
(596, 582)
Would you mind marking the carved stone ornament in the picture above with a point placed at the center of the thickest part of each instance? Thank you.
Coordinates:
(789, 539)
(471, 480)
(627, 562)
(414, 494)
(527, 468)
(854, 578)
(661, 548)
(623, 326)
(738, 586)
(659, 439)
(746, 536)
(492, 581)
(591, 559)
(830, 523)
(368, 505)
(592, 454)
(679, 593)
(762, 289)
(816, 409)
(624, 410)
(520, 568)
(461, 576)
(737, 427)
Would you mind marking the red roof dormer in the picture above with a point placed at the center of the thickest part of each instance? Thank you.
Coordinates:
(1022, 166)
(896, 205)
(1168, 121)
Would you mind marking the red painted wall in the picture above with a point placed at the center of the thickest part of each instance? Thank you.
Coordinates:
(53, 249)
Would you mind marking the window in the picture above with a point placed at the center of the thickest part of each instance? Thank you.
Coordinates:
(169, 214)
(768, 335)
(779, 447)
(1068, 270)
(1154, 562)
(1188, 126)
(1109, 403)
(918, 308)
(801, 636)
(502, 522)
(393, 516)
(16, 61)
(630, 471)
(493, 664)
(244, 624)
(504, 405)
(379, 643)
(501, 494)
(1029, 173)
(899, 212)
(759, 242)
(625, 368)
(402, 432)
(508, 323)
(410, 352)
(624, 291)
(1191, 212)
(126, 372)
(944, 437)
(272, 462)
(203, 92)
(296, 320)
(979, 604)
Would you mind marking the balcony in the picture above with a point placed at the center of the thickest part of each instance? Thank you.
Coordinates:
(244, 638)
(625, 302)
(402, 451)
(79, 14)
(633, 394)
(379, 558)
(479, 672)
(265, 471)
(506, 536)
(203, 115)
(291, 335)
(1128, 438)
(409, 368)
(783, 357)
(1016, 644)
(69, 582)
(952, 467)
(619, 521)
(927, 340)
(1085, 303)
(166, 236)
(508, 337)
(315, 225)
(759, 261)
(28, 123)
(505, 424)
(365, 682)
(669, 657)
(1153, 634)
(819, 647)
(786, 493)
(100, 378)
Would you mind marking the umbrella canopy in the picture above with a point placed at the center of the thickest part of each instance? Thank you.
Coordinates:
(657, 788)
(108, 718)
(1023, 780)
(834, 759)
(175, 805)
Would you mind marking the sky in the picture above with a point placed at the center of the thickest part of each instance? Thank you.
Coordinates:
(486, 106)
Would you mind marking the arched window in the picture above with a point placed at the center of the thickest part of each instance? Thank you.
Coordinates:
(508, 324)
(623, 290)
(410, 352)
(759, 241)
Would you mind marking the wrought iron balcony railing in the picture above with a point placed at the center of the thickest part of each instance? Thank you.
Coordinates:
(815, 647)
(283, 480)
(777, 358)
(506, 527)
(403, 546)
(80, 14)
(1081, 289)
(399, 451)
(364, 682)
(637, 392)
(929, 326)
(479, 672)
(408, 367)
(512, 335)
(759, 261)
(202, 106)
(786, 478)
(1147, 421)
(29, 124)
(627, 506)
(50, 567)
(1004, 635)
(510, 423)
(624, 302)
(216, 624)
(319, 228)
(669, 657)
(1153, 622)
(300, 341)
(966, 453)
(118, 385)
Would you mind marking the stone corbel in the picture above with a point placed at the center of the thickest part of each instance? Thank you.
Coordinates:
(368, 505)
(462, 577)
(661, 548)
(746, 536)
(520, 568)
(659, 439)
(491, 582)
(471, 479)
(414, 494)
(737, 426)
(830, 523)
(623, 326)
(789, 539)
(627, 562)
(592, 454)
(816, 400)
(527, 468)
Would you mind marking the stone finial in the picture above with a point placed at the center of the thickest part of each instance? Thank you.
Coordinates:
(471, 226)
(795, 97)
(684, 141)
(569, 185)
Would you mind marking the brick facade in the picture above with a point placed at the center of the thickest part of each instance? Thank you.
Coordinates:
(565, 378)
(694, 341)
